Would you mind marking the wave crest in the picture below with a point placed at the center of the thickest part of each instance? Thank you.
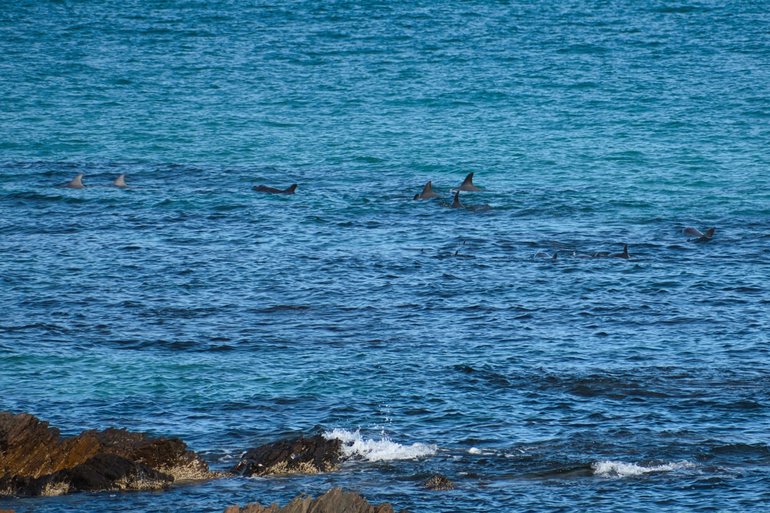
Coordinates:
(620, 469)
(354, 445)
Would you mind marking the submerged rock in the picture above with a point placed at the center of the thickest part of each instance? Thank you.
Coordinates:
(439, 482)
(334, 501)
(36, 460)
(295, 456)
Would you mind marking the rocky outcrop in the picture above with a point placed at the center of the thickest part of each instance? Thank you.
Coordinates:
(333, 501)
(296, 456)
(36, 460)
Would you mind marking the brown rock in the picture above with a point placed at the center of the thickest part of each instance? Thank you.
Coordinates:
(29, 448)
(35, 460)
(167, 455)
(334, 501)
(296, 456)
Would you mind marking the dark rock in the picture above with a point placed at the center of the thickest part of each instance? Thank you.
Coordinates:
(35, 460)
(167, 455)
(103, 472)
(439, 482)
(334, 501)
(296, 456)
(113, 472)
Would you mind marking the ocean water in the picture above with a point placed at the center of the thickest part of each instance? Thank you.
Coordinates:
(429, 339)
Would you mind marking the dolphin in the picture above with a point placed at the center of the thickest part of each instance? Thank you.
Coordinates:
(272, 190)
(467, 184)
(543, 254)
(427, 192)
(604, 254)
(699, 236)
(624, 254)
(76, 183)
(456, 202)
(120, 181)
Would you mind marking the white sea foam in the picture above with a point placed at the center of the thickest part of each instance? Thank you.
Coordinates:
(384, 449)
(619, 469)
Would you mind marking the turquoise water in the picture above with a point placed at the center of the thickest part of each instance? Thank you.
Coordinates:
(431, 339)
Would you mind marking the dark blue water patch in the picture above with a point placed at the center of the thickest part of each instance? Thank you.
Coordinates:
(45, 327)
(681, 9)
(758, 454)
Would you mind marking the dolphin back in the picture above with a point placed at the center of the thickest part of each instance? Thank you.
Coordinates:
(693, 232)
(272, 190)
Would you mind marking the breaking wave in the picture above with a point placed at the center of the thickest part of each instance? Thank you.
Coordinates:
(354, 445)
(620, 469)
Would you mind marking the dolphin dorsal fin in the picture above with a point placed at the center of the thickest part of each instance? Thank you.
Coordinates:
(290, 189)
(625, 250)
(77, 182)
(456, 201)
(468, 180)
(710, 232)
(428, 188)
(120, 181)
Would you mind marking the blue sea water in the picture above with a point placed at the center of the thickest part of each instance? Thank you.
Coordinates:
(430, 339)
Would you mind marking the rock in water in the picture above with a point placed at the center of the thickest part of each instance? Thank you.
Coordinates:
(167, 455)
(334, 501)
(296, 456)
(439, 482)
(35, 460)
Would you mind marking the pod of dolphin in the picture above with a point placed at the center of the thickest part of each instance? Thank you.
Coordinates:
(77, 182)
(426, 194)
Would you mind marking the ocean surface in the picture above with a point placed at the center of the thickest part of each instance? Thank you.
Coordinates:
(429, 339)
